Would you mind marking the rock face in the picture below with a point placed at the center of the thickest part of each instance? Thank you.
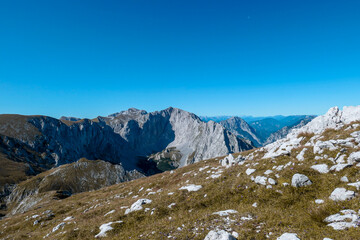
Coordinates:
(127, 137)
(300, 180)
(81, 176)
(241, 128)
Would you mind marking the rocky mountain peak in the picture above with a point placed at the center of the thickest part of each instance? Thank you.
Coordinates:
(334, 118)
(129, 112)
(72, 119)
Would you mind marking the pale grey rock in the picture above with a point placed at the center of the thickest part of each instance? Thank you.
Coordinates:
(345, 219)
(249, 171)
(340, 166)
(320, 146)
(344, 179)
(300, 156)
(225, 212)
(341, 194)
(354, 157)
(300, 180)
(355, 184)
(191, 187)
(137, 206)
(321, 168)
(261, 180)
(105, 228)
(228, 161)
(57, 227)
(219, 235)
(288, 236)
(272, 181)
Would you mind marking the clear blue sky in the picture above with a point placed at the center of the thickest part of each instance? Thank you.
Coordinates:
(249, 57)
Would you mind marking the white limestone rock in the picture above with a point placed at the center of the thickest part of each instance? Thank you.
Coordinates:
(345, 219)
(260, 180)
(105, 228)
(355, 184)
(321, 168)
(191, 187)
(288, 236)
(354, 157)
(272, 181)
(300, 180)
(340, 166)
(300, 156)
(341, 194)
(138, 205)
(249, 171)
(344, 179)
(225, 212)
(219, 235)
(320, 146)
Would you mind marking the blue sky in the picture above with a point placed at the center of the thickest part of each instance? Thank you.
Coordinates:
(90, 58)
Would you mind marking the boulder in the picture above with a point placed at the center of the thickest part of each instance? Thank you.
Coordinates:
(354, 157)
(300, 180)
(288, 236)
(321, 168)
(219, 235)
(341, 194)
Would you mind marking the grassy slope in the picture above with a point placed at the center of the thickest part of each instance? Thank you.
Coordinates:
(280, 209)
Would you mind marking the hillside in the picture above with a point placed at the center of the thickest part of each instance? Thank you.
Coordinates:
(302, 187)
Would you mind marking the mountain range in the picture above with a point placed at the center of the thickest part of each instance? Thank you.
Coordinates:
(303, 186)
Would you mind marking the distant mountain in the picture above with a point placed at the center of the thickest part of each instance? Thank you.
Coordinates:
(215, 118)
(266, 130)
(241, 128)
(263, 128)
(283, 132)
(125, 137)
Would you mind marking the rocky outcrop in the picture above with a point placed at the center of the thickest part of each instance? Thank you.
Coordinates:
(333, 119)
(81, 176)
